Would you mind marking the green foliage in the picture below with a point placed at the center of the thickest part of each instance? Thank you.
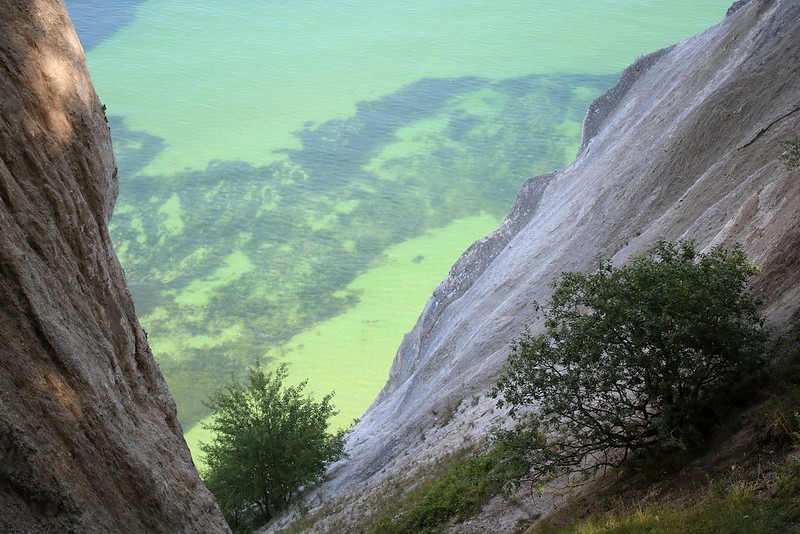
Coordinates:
(458, 493)
(791, 153)
(780, 420)
(739, 508)
(635, 357)
(270, 442)
(467, 482)
(742, 506)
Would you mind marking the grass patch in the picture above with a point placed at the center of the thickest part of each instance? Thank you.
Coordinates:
(745, 479)
(739, 508)
(767, 503)
(465, 482)
(465, 486)
(448, 491)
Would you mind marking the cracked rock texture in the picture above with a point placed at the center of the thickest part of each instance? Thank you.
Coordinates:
(687, 146)
(89, 439)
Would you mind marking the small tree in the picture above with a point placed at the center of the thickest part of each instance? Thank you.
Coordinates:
(636, 356)
(269, 442)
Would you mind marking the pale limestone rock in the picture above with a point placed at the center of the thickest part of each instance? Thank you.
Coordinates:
(687, 146)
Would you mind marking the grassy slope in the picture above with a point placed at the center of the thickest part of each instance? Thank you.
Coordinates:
(747, 480)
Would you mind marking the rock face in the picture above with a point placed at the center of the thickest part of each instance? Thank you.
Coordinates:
(687, 146)
(89, 440)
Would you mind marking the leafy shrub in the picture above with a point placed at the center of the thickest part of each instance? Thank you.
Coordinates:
(269, 442)
(467, 481)
(635, 357)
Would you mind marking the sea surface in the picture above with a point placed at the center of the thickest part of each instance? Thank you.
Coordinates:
(297, 177)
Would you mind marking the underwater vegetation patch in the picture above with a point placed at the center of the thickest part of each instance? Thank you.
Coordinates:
(227, 262)
(97, 20)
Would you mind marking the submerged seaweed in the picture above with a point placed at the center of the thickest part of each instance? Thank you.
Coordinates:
(228, 261)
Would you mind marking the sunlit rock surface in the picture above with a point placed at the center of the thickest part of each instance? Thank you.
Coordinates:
(687, 146)
(89, 440)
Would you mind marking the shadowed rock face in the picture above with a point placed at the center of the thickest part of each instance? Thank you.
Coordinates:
(687, 146)
(89, 440)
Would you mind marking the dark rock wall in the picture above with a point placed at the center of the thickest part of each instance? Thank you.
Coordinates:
(89, 440)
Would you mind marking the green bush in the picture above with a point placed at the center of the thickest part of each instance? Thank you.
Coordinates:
(635, 357)
(738, 508)
(466, 482)
(269, 442)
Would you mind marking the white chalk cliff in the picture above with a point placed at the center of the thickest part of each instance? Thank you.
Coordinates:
(687, 146)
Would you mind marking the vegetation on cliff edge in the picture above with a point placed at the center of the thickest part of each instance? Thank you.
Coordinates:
(637, 357)
(269, 442)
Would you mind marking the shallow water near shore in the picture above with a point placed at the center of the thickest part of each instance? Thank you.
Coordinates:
(297, 178)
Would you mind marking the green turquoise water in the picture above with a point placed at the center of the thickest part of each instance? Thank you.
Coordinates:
(296, 178)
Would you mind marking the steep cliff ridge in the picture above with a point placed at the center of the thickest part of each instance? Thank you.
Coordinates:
(89, 440)
(688, 148)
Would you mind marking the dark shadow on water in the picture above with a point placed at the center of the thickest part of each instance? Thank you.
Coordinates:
(97, 20)
(340, 147)
(134, 150)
